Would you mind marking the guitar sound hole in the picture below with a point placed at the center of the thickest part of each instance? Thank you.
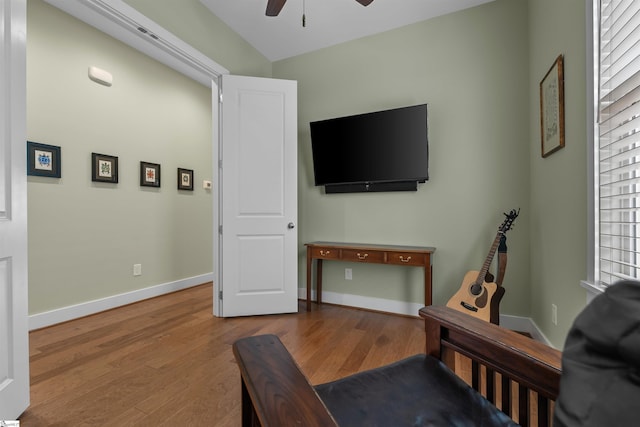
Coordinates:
(476, 289)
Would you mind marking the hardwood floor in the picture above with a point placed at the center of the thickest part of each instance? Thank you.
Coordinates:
(168, 361)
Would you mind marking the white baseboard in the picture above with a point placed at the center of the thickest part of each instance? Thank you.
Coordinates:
(516, 323)
(64, 314)
(369, 303)
(524, 324)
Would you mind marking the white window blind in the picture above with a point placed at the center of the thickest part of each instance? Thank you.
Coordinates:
(618, 141)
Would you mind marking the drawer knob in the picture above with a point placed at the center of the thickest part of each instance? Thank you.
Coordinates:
(362, 256)
(325, 253)
(403, 259)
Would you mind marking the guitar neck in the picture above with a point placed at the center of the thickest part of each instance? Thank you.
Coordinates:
(489, 259)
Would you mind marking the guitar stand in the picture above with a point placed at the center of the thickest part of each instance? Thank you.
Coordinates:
(502, 259)
(502, 267)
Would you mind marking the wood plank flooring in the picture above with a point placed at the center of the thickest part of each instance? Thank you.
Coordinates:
(168, 361)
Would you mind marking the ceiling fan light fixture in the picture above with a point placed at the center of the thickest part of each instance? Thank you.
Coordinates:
(275, 6)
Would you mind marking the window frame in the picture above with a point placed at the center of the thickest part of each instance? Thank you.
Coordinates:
(592, 66)
(592, 283)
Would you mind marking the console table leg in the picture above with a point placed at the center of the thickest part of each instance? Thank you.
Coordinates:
(319, 281)
(309, 265)
(427, 283)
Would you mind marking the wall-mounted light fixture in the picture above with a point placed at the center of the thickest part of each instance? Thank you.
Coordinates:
(100, 76)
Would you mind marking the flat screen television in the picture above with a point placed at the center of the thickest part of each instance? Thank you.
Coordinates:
(380, 151)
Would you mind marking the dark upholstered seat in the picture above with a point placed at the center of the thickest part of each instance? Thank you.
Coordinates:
(418, 391)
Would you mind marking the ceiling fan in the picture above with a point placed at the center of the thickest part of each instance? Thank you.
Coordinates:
(275, 6)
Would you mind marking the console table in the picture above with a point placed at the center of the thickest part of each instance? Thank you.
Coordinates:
(412, 256)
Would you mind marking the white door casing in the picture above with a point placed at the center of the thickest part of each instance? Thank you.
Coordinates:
(14, 338)
(258, 182)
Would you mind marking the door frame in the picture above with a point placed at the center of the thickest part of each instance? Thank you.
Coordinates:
(122, 22)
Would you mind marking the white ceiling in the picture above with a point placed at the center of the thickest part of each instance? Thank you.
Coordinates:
(328, 22)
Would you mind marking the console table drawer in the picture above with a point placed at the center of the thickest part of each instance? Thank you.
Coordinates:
(362, 255)
(326, 253)
(407, 258)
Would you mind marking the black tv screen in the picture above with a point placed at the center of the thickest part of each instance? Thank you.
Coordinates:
(381, 151)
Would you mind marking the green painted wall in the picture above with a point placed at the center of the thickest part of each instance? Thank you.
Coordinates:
(471, 67)
(558, 226)
(84, 237)
(479, 72)
(191, 21)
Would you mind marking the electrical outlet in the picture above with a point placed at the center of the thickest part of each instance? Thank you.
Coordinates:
(137, 269)
(348, 274)
(554, 314)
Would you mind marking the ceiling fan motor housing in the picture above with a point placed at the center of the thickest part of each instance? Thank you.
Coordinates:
(275, 6)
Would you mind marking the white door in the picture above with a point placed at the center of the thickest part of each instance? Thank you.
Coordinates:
(258, 198)
(14, 348)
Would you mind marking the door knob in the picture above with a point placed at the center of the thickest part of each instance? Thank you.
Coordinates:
(291, 225)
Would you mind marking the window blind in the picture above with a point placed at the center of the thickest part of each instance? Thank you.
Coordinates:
(619, 141)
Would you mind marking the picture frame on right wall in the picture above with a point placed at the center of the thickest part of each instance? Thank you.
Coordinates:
(552, 108)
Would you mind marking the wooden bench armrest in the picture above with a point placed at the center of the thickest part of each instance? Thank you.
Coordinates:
(275, 392)
(531, 363)
(506, 367)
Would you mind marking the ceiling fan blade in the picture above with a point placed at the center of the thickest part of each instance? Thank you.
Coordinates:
(275, 6)
(364, 2)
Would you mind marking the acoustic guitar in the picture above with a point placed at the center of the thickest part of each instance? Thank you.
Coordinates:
(478, 295)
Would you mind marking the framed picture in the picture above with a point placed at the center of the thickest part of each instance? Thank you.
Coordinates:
(552, 108)
(104, 168)
(185, 179)
(43, 160)
(149, 174)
